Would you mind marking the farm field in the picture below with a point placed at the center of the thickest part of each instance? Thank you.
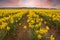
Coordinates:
(29, 24)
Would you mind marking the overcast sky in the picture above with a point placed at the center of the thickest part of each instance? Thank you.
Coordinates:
(30, 3)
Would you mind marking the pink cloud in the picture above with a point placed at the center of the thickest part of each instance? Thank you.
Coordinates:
(28, 3)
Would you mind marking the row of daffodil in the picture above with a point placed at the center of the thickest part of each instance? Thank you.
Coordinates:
(55, 14)
(51, 16)
(11, 18)
(5, 13)
(9, 23)
(36, 24)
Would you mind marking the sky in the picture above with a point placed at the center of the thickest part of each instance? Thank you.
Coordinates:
(30, 3)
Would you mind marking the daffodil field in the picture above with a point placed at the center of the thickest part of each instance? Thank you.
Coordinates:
(41, 24)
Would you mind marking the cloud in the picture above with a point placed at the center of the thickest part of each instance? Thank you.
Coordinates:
(4, 1)
(8, 3)
(23, 3)
(54, 2)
